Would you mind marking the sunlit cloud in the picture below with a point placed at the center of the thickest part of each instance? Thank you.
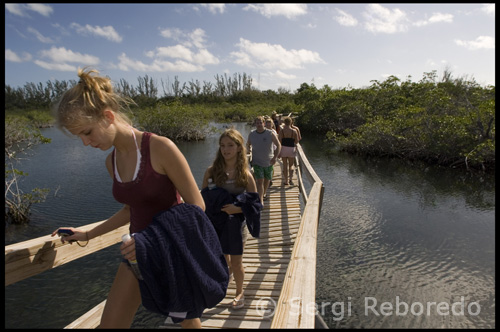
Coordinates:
(383, 20)
(489, 9)
(107, 32)
(481, 42)
(288, 10)
(269, 56)
(59, 56)
(435, 18)
(23, 9)
(345, 19)
(13, 57)
(214, 7)
(39, 36)
(55, 66)
(157, 65)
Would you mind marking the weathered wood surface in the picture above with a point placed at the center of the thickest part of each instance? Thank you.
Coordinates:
(28, 258)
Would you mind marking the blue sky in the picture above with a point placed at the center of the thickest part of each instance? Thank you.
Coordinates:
(278, 45)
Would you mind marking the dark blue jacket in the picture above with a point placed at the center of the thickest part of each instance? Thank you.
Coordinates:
(250, 204)
(181, 262)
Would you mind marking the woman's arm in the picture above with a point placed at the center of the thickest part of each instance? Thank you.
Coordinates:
(251, 186)
(208, 173)
(166, 158)
(296, 136)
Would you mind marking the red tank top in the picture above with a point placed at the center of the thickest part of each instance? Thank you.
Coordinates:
(147, 195)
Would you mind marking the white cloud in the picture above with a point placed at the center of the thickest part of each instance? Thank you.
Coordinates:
(194, 38)
(55, 66)
(191, 51)
(435, 18)
(215, 7)
(40, 37)
(107, 32)
(489, 9)
(15, 8)
(41, 9)
(177, 51)
(13, 57)
(204, 57)
(284, 76)
(345, 19)
(21, 9)
(381, 19)
(288, 10)
(197, 38)
(126, 64)
(62, 55)
(267, 56)
(439, 17)
(481, 42)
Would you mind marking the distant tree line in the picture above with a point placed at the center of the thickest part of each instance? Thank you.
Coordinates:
(450, 122)
(145, 93)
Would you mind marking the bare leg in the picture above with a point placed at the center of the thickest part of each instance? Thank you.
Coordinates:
(290, 168)
(239, 273)
(265, 186)
(284, 169)
(123, 300)
(194, 323)
(260, 189)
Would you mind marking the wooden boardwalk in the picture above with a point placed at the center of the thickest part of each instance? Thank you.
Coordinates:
(265, 260)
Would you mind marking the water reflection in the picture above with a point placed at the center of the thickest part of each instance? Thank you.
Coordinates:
(390, 230)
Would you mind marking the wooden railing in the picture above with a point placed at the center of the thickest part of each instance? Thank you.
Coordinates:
(296, 305)
(29, 258)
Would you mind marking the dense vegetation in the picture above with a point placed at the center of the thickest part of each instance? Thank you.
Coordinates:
(449, 122)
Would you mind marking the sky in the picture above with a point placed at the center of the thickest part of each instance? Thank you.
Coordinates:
(280, 46)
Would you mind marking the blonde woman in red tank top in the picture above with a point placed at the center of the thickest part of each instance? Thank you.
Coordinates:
(92, 111)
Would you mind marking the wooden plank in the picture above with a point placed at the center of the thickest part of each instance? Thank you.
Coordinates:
(90, 320)
(298, 292)
(29, 258)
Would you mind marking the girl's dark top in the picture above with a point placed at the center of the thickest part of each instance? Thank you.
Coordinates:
(288, 141)
(148, 194)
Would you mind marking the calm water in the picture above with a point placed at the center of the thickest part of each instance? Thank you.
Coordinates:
(390, 235)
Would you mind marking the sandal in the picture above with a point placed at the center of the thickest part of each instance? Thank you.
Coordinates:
(238, 304)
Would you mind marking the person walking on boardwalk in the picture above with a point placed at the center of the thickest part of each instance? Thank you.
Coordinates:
(288, 138)
(269, 124)
(277, 121)
(260, 144)
(233, 205)
(150, 175)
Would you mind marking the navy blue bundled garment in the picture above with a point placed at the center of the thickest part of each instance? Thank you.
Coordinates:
(250, 205)
(181, 262)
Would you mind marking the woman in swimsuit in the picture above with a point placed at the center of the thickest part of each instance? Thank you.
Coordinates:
(288, 138)
(149, 174)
